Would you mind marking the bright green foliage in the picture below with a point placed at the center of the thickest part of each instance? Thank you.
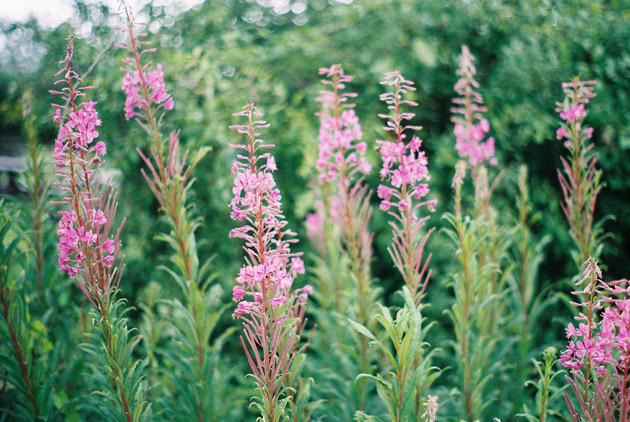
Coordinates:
(117, 375)
(198, 379)
(301, 406)
(547, 394)
(38, 301)
(473, 348)
(526, 298)
(479, 310)
(18, 335)
(152, 327)
(403, 386)
(340, 353)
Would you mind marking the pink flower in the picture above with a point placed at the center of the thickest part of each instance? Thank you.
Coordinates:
(109, 246)
(470, 127)
(257, 199)
(314, 225)
(143, 89)
(100, 148)
(87, 249)
(561, 132)
(384, 192)
(405, 168)
(588, 132)
(573, 113)
(243, 308)
(340, 153)
(238, 293)
(99, 217)
(277, 301)
(270, 267)
(297, 265)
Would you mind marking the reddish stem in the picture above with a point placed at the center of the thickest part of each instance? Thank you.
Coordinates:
(16, 348)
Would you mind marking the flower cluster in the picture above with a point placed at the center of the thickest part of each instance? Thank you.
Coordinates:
(340, 153)
(143, 89)
(593, 343)
(405, 167)
(154, 83)
(271, 268)
(572, 112)
(404, 164)
(579, 176)
(470, 126)
(85, 244)
(345, 201)
(271, 312)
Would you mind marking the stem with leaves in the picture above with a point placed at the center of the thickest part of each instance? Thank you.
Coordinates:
(169, 176)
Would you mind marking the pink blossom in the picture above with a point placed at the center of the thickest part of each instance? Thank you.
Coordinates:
(588, 132)
(297, 265)
(243, 308)
(601, 338)
(100, 148)
(99, 217)
(109, 246)
(279, 300)
(143, 89)
(561, 132)
(573, 113)
(384, 192)
(340, 153)
(405, 168)
(270, 267)
(257, 199)
(314, 225)
(470, 127)
(238, 293)
(87, 249)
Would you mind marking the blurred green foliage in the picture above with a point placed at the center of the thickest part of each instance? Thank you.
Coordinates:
(219, 55)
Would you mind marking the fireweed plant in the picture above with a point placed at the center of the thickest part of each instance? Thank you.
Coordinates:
(406, 174)
(339, 229)
(38, 353)
(89, 245)
(598, 354)
(195, 380)
(481, 246)
(271, 310)
(405, 168)
(579, 176)
(341, 165)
